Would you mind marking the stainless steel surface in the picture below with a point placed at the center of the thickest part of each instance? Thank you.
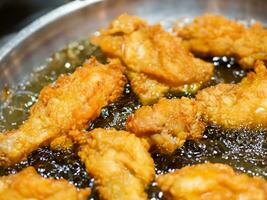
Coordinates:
(78, 19)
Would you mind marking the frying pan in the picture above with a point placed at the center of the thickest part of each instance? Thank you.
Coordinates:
(78, 19)
(30, 48)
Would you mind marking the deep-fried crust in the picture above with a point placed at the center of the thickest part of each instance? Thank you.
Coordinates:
(118, 160)
(27, 185)
(211, 182)
(68, 104)
(150, 90)
(152, 51)
(168, 123)
(237, 105)
(210, 35)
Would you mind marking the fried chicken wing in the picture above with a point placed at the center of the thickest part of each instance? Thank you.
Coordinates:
(68, 104)
(237, 105)
(27, 185)
(211, 35)
(118, 160)
(211, 182)
(168, 123)
(152, 51)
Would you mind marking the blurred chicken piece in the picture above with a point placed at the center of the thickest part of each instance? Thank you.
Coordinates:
(211, 182)
(118, 160)
(156, 54)
(211, 35)
(68, 104)
(168, 123)
(237, 105)
(27, 185)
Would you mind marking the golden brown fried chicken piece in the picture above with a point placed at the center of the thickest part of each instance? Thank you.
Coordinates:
(28, 185)
(118, 160)
(237, 105)
(168, 123)
(152, 51)
(210, 35)
(68, 104)
(211, 182)
(150, 90)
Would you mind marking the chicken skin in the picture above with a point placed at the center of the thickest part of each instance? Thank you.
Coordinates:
(237, 105)
(211, 182)
(29, 185)
(168, 123)
(211, 35)
(118, 160)
(150, 50)
(68, 104)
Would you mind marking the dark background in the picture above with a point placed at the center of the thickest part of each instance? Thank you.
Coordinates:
(16, 14)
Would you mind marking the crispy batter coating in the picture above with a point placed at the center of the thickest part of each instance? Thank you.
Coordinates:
(29, 185)
(118, 160)
(168, 123)
(151, 50)
(150, 90)
(237, 105)
(211, 35)
(211, 182)
(62, 142)
(68, 104)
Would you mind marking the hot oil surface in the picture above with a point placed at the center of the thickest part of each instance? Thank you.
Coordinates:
(246, 151)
